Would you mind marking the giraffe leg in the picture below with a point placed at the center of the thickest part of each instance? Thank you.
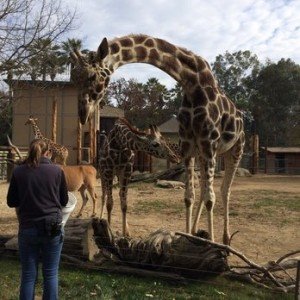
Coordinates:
(209, 197)
(207, 161)
(202, 194)
(231, 161)
(93, 195)
(84, 197)
(124, 181)
(189, 194)
(103, 196)
(110, 200)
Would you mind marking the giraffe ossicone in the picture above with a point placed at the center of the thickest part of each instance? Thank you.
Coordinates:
(209, 123)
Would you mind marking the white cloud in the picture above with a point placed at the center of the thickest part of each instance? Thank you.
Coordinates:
(268, 28)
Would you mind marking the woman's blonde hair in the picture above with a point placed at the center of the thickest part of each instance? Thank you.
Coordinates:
(37, 148)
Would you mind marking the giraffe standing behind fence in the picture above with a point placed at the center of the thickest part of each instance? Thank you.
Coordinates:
(209, 123)
(60, 153)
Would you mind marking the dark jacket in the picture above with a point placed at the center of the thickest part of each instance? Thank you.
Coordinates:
(37, 192)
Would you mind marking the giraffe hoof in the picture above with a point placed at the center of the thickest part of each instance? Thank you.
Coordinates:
(127, 234)
(202, 234)
(226, 240)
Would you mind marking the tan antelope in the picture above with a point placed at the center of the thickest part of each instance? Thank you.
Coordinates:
(80, 178)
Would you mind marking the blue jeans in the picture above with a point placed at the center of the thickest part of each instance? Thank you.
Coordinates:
(34, 245)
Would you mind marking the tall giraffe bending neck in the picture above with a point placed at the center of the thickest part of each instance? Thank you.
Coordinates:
(179, 63)
(209, 123)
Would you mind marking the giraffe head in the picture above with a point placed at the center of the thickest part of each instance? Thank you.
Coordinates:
(91, 76)
(158, 146)
(31, 120)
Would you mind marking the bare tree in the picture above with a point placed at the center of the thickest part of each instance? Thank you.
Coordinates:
(22, 22)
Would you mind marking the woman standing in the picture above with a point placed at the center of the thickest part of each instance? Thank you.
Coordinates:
(38, 191)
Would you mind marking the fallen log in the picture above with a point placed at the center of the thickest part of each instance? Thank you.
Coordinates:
(191, 256)
(162, 250)
(169, 174)
(78, 240)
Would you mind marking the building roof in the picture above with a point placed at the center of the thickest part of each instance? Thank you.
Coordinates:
(282, 149)
(109, 111)
(40, 83)
(170, 126)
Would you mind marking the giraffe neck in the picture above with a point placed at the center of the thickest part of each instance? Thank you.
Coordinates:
(175, 148)
(129, 138)
(37, 132)
(181, 64)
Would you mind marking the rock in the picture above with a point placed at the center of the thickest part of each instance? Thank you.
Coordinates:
(170, 184)
(241, 172)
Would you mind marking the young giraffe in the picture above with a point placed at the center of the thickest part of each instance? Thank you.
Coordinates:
(117, 159)
(58, 151)
(209, 123)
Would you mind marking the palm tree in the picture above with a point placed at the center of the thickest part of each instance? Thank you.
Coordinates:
(68, 46)
(46, 60)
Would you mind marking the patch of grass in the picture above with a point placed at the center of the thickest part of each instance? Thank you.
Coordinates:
(274, 199)
(233, 213)
(80, 284)
(285, 222)
(156, 205)
(141, 186)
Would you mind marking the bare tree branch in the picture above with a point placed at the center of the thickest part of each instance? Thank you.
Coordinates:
(24, 21)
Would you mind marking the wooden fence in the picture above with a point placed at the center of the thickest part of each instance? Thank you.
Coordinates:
(3, 164)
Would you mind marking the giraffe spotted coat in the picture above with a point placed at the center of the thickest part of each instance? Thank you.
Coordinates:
(209, 122)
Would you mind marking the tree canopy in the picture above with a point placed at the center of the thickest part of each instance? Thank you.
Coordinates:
(275, 101)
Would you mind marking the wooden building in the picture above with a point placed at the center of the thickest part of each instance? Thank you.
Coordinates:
(54, 104)
(281, 160)
(170, 129)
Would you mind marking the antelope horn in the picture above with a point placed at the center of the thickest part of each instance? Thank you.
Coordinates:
(74, 57)
(14, 147)
(80, 57)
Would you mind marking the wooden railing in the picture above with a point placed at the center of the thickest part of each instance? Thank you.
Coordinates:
(6, 154)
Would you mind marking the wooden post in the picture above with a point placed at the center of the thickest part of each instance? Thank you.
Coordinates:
(255, 151)
(95, 141)
(147, 160)
(150, 164)
(92, 138)
(266, 159)
(79, 142)
(54, 119)
(10, 167)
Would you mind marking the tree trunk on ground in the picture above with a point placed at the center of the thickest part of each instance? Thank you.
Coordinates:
(78, 240)
(163, 250)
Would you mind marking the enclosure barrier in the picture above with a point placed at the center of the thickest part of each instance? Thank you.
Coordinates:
(153, 257)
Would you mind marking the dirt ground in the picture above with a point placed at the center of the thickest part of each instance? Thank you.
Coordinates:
(263, 208)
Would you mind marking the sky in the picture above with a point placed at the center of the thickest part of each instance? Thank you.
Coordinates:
(268, 28)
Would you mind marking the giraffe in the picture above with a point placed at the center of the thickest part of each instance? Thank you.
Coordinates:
(59, 151)
(209, 122)
(117, 159)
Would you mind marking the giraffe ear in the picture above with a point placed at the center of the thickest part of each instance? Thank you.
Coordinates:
(141, 138)
(155, 131)
(102, 49)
